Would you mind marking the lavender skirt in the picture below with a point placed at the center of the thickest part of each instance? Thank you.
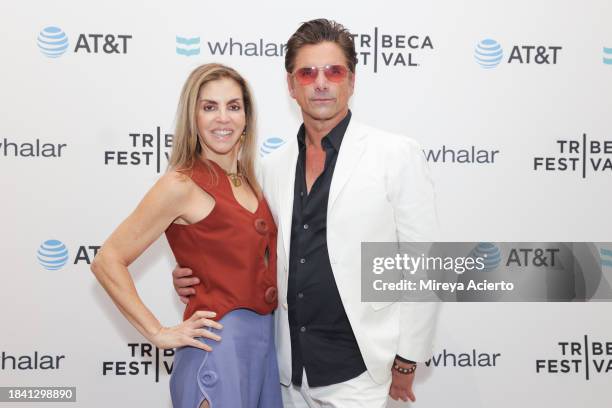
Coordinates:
(240, 372)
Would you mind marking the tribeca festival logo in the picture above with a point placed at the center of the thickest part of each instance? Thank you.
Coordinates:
(586, 357)
(53, 42)
(580, 156)
(489, 53)
(187, 46)
(607, 56)
(145, 359)
(380, 49)
(269, 145)
(146, 149)
(53, 254)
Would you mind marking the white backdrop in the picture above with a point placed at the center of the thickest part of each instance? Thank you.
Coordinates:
(91, 99)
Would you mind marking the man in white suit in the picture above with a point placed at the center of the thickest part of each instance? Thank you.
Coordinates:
(336, 185)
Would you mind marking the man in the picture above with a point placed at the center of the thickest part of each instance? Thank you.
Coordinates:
(338, 184)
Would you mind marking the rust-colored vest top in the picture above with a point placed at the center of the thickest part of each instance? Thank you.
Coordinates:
(227, 251)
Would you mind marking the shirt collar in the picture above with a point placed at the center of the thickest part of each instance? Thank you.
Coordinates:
(333, 138)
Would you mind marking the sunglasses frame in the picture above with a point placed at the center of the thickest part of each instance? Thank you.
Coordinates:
(302, 80)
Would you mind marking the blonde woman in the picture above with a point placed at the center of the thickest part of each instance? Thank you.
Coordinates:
(217, 223)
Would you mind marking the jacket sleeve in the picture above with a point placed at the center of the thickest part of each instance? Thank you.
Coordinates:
(412, 196)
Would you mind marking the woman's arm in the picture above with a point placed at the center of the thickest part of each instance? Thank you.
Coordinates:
(166, 201)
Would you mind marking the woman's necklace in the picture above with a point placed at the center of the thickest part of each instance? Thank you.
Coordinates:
(235, 178)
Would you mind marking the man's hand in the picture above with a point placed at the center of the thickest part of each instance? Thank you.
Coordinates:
(183, 281)
(401, 384)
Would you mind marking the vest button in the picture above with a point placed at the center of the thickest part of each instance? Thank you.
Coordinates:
(261, 226)
(271, 294)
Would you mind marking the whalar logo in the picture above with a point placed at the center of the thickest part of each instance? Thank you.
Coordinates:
(33, 148)
(473, 358)
(34, 361)
(461, 155)
(607, 56)
(606, 257)
(187, 46)
(234, 47)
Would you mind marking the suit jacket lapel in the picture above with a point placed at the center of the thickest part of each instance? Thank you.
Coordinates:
(351, 149)
(286, 186)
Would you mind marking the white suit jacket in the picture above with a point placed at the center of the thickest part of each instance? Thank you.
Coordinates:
(380, 191)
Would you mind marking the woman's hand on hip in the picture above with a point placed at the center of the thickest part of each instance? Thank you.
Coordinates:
(185, 333)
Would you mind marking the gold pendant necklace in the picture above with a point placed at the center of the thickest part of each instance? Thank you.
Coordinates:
(236, 179)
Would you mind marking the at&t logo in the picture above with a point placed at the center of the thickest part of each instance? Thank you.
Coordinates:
(269, 145)
(489, 53)
(52, 255)
(490, 254)
(53, 42)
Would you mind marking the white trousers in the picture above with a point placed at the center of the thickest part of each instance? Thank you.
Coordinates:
(359, 392)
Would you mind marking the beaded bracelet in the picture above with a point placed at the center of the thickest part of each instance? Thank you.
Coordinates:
(403, 370)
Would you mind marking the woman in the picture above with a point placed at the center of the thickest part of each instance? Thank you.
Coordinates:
(211, 208)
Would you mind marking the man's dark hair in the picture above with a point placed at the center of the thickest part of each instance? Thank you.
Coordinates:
(317, 31)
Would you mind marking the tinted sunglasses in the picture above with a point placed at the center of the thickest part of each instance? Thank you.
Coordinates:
(333, 73)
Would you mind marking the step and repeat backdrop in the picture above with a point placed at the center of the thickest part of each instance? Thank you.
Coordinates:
(511, 102)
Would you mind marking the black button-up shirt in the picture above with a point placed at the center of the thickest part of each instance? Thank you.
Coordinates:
(322, 340)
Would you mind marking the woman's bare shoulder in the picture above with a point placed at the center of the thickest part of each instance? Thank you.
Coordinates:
(174, 184)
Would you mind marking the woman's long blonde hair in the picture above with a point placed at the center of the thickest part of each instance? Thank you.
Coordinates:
(186, 145)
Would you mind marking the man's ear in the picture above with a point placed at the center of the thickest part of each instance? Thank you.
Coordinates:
(290, 85)
(351, 79)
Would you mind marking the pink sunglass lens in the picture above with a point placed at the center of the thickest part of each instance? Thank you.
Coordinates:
(335, 73)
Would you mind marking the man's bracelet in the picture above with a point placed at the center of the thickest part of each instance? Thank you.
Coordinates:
(403, 370)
